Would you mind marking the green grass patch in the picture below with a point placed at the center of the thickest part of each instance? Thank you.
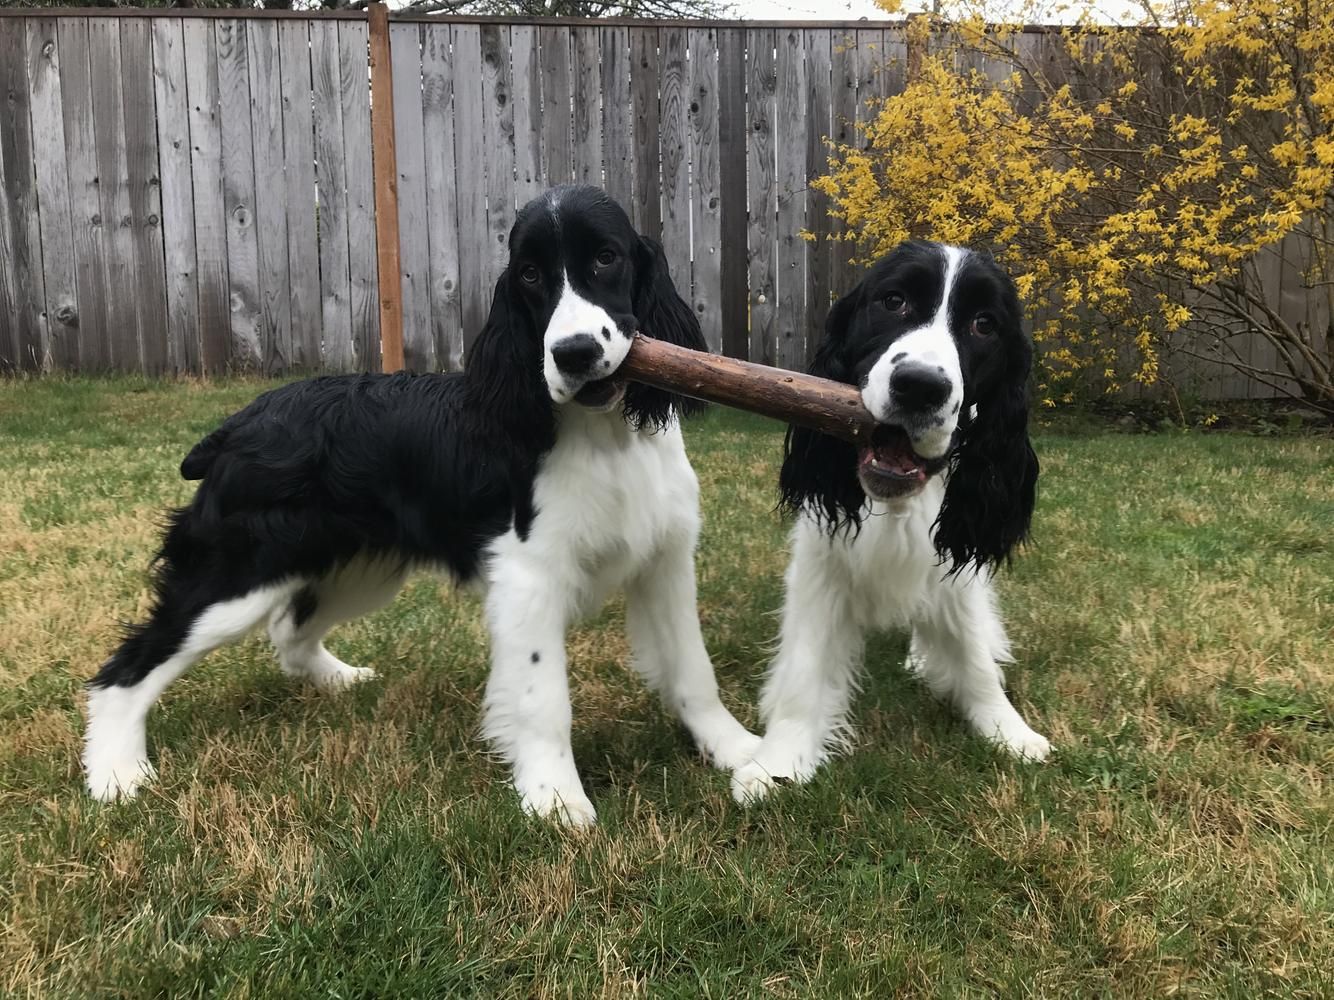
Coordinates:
(1172, 623)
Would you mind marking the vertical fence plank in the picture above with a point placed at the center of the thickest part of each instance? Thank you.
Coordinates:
(9, 334)
(331, 176)
(48, 142)
(618, 129)
(27, 295)
(790, 138)
(646, 200)
(557, 153)
(441, 209)
(201, 70)
(303, 253)
(674, 124)
(114, 185)
(761, 194)
(819, 251)
(497, 147)
(412, 88)
(474, 288)
(844, 59)
(353, 55)
(587, 105)
(266, 121)
(178, 207)
(238, 190)
(527, 75)
(706, 186)
(732, 188)
(145, 190)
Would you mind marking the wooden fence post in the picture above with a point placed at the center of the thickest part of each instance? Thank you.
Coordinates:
(917, 35)
(386, 191)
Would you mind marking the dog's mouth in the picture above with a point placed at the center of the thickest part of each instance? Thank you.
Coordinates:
(889, 468)
(602, 394)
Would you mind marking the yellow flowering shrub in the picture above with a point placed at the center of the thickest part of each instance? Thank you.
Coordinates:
(1136, 180)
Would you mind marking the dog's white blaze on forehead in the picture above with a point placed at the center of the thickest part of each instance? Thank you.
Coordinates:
(930, 344)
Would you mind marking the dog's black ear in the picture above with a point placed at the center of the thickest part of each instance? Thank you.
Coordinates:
(992, 486)
(504, 370)
(819, 473)
(663, 315)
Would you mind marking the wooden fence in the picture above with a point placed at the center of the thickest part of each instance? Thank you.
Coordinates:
(194, 191)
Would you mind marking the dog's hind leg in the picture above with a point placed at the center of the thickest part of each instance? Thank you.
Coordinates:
(663, 625)
(298, 625)
(155, 653)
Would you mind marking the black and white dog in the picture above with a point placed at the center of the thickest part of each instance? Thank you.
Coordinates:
(908, 530)
(536, 473)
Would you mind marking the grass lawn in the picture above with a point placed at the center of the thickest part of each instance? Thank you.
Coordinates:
(1173, 625)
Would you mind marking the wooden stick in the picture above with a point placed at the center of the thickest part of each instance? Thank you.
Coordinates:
(817, 403)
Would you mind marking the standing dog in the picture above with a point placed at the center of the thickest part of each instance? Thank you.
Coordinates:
(537, 473)
(907, 530)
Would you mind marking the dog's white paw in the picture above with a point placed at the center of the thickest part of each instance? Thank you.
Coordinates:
(751, 782)
(569, 807)
(1009, 732)
(109, 780)
(732, 750)
(341, 677)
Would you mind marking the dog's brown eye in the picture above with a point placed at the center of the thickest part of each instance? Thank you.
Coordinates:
(896, 303)
(984, 325)
(529, 274)
(606, 258)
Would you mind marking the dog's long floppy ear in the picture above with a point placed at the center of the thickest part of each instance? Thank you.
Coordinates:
(663, 315)
(993, 478)
(819, 473)
(504, 369)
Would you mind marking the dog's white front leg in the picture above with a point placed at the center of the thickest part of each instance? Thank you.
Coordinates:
(955, 649)
(810, 685)
(662, 621)
(527, 713)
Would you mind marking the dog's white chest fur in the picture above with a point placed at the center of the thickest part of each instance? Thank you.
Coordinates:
(887, 570)
(607, 498)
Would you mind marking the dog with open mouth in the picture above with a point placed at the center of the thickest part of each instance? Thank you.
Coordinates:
(536, 474)
(908, 529)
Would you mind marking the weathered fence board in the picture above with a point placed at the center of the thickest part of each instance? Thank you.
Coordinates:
(790, 146)
(732, 188)
(238, 190)
(761, 195)
(178, 207)
(421, 77)
(353, 54)
(266, 118)
(142, 158)
(441, 207)
(646, 201)
(497, 148)
(303, 252)
(113, 183)
(706, 221)
(617, 116)
(331, 173)
(21, 256)
(470, 180)
(201, 73)
(194, 190)
(673, 118)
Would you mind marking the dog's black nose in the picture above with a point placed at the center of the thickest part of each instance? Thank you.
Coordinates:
(918, 387)
(576, 355)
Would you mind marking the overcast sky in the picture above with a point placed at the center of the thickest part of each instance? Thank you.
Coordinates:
(802, 10)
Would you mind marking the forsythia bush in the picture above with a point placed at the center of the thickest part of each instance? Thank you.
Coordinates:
(1139, 192)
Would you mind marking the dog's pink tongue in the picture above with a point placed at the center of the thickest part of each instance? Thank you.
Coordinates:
(893, 454)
